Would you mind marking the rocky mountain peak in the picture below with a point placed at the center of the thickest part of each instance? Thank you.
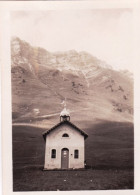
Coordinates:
(40, 78)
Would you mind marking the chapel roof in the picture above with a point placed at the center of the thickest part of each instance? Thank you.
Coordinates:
(65, 122)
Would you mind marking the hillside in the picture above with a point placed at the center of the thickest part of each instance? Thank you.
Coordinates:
(100, 101)
(108, 146)
(41, 80)
(108, 153)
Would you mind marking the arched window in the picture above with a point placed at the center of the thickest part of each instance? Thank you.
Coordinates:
(76, 153)
(65, 135)
(53, 154)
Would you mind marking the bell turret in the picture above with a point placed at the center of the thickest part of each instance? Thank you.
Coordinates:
(64, 115)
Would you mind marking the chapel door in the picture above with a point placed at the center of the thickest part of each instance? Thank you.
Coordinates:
(64, 158)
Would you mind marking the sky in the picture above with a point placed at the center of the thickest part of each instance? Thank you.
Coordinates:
(106, 34)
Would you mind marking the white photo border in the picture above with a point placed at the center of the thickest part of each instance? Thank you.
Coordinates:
(5, 8)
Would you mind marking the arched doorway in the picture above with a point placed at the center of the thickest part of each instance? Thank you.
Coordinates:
(64, 158)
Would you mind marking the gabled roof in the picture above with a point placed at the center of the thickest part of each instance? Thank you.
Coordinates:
(65, 122)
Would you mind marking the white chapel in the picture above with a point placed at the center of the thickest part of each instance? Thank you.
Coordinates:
(64, 145)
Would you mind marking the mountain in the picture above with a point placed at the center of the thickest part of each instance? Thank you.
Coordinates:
(41, 80)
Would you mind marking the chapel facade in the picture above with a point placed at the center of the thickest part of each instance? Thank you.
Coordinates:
(64, 145)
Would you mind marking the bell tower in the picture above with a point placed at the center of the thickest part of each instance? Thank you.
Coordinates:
(64, 115)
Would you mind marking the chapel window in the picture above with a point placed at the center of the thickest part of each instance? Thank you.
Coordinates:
(76, 153)
(53, 155)
(65, 135)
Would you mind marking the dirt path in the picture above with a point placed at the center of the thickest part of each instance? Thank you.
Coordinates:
(30, 125)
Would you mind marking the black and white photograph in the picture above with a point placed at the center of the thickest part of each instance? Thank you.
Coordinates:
(72, 99)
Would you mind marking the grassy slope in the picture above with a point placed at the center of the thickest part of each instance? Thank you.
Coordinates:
(110, 144)
(47, 87)
(109, 150)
